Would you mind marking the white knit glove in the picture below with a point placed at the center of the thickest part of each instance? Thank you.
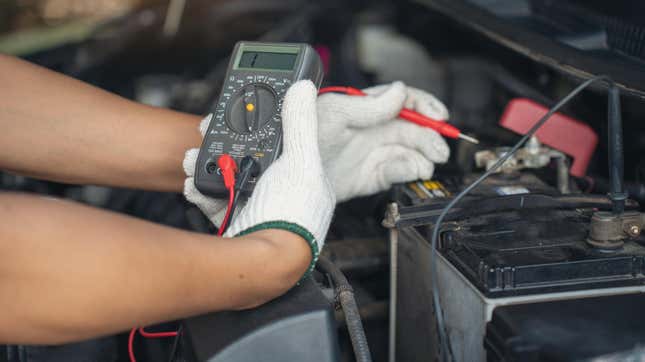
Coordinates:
(365, 150)
(294, 193)
(214, 209)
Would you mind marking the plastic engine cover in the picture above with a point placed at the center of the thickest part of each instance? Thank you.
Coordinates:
(299, 326)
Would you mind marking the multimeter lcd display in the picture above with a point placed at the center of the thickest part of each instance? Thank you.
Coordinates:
(266, 60)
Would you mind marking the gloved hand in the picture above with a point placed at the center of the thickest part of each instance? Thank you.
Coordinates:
(214, 209)
(365, 150)
(294, 193)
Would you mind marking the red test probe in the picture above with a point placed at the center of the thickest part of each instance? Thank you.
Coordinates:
(409, 115)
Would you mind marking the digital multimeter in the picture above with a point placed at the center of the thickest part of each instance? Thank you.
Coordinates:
(246, 118)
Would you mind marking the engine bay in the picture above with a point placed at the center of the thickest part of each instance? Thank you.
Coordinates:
(531, 265)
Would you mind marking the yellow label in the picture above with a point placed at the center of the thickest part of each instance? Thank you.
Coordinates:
(429, 189)
(417, 190)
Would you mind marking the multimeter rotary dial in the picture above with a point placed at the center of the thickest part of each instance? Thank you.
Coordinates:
(251, 108)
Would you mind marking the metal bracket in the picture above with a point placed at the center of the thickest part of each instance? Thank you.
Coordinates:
(391, 215)
(609, 230)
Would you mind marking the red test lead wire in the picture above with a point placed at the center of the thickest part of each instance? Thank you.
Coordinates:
(157, 334)
(145, 334)
(351, 91)
(443, 128)
(229, 210)
(133, 332)
(228, 167)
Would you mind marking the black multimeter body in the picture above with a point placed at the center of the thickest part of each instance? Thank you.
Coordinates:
(246, 119)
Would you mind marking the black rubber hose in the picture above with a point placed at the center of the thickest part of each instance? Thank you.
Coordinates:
(635, 190)
(358, 256)
(616, 158)
(345, 295)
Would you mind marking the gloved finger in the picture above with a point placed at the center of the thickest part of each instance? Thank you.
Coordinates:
(300, 121)
(403, 165)
(367, 111)
(378, 170)
(209, 206)
(203, 125)
(424, 140)
(218, 217)
(377, 89)
(190, 160)
(418, 100)
(427, 104)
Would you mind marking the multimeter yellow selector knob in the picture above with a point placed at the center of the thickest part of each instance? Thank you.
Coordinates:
(251, 108)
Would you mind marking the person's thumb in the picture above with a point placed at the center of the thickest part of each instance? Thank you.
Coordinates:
(300, 122)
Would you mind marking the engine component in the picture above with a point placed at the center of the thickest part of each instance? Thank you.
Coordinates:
(357, 256)
(562, 133)
(533, 155)
(484, 265)
(299, 326)
(345, 297)
(499, 249)
(608, 230)
(567, 330)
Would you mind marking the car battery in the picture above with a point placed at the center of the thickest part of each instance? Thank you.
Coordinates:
(512, 240)
(568, 330)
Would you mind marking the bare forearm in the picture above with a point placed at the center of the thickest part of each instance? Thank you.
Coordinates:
(69, 272)
(61, 129)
